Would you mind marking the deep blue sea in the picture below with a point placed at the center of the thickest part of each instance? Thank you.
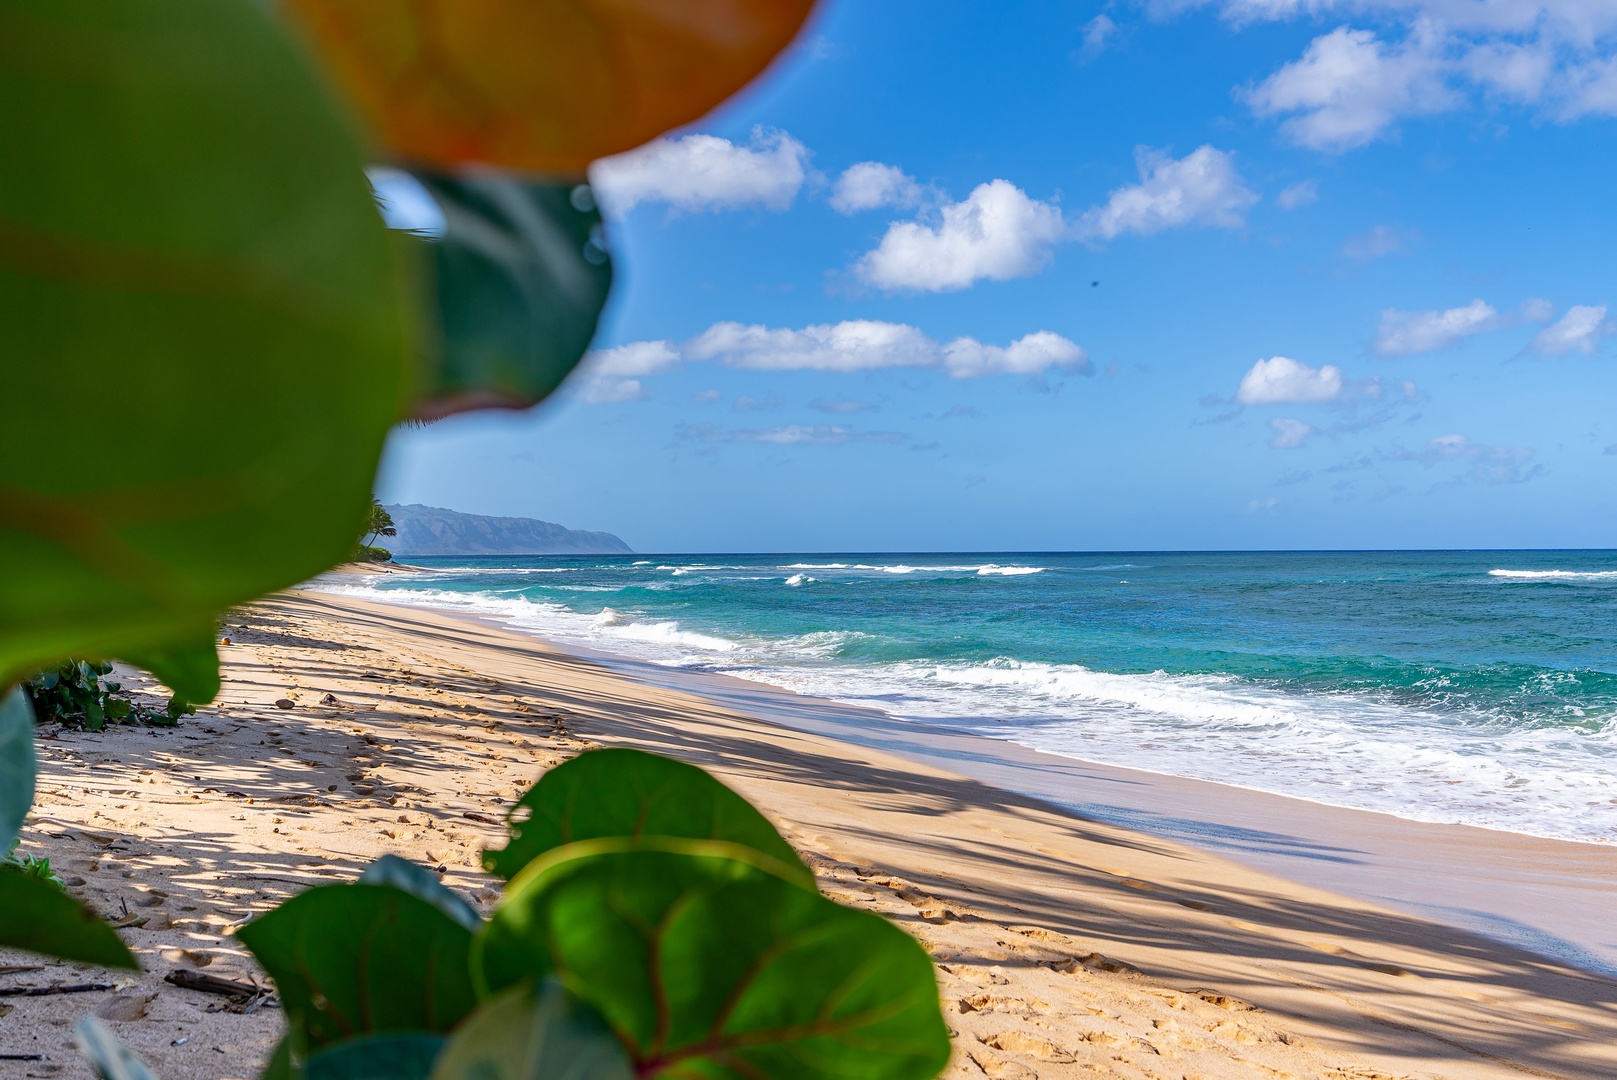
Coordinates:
(1465, 687)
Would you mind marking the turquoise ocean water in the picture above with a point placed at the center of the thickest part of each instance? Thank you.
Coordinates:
(1465, 687)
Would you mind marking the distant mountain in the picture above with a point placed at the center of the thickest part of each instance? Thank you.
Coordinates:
(431, 530)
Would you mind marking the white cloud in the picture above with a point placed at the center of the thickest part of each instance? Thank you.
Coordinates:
(613, 375)
(1289, 434)
(1349, 88)
(1097, 32)
(868, 345)
(704, 172)
(853, 345)
(1034, 354)
(998, 232)
(1281, 380)
(1380, 241)
(870, 185)
(789, 435)
(1298, 195)
(1537, 309)
(1404, 333)
(1201, 188)
(1489, 463)
(1576, 331)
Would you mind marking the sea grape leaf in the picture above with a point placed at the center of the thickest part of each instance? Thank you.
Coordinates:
(544, 86)
(111, 1059)
(189, 666)
(630, 793)
(17, 765)
(521, 274)
(353, 960)
(282, 1063)
(707, 965)
(423, 884)
(41, 918)
(377, 1057)
(203, 316)
(520, 1035)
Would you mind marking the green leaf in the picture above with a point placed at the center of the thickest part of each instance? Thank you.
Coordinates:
(17, 765)
(705, 964)
(282, 1064)
(522, 1036)
(189, 667)
(623, 792)
(522, 276)
(377, 1057)
(111, 1059)
(352, 960)
(41, 918)
(202, 312)
(423, 884)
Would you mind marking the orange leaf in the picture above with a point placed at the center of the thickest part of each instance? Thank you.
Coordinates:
(545, 86)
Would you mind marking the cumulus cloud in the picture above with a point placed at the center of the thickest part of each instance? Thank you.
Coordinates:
(1201, 188)
(1404, 333)
(1097, 32)
(1576, 331)
(998, 233)
(789, 435)
(868, 345)
(1289, 434)
(853, 345)
(870, 185)
(1281, 380)
(1349, 87)
(704, 172)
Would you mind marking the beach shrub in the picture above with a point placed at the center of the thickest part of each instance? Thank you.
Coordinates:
(367, 553)
(78, 693)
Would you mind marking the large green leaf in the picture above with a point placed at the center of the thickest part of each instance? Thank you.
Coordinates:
(705, 964)
(522, 274)
(16, 764)
(204, 339)
(377, 1057)
(111, 1059)
(189, 666)
(629, 793)
(353, 960)
(520, 1035)
(41, 918)
(423, 884)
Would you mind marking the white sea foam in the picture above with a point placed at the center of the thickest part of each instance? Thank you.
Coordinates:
(1344, 749)
(815, 566)
(1555, 575)
(1008, 571)
(798, 579)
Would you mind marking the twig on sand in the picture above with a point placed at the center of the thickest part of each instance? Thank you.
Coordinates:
(245, 997)
(58, 988)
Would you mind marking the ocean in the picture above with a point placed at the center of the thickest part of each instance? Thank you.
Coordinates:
(1475, 688)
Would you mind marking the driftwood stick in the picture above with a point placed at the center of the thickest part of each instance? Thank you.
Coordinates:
(47, 991)
(211, 984)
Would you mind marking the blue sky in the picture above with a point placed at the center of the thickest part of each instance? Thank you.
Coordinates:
(1163, 275)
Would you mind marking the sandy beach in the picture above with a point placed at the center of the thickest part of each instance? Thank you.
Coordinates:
(1067, 946)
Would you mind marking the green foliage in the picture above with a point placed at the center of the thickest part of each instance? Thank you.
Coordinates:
(706, 964)
(522, 274)
(377, 1057)
(73, 693)
(41, 918)
(367, 553)
(521, 1035)
(680, 923)
(36, 867)
(623, 792)
(354, 960)
(378, 522)
(203, 315)
(111, 1059)
(17, 765)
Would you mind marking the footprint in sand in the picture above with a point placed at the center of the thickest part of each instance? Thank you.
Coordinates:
(1021, 1042)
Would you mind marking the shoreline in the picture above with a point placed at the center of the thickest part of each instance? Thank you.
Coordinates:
(1439, 871)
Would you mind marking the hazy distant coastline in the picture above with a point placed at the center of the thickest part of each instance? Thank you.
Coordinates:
(433, 530)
